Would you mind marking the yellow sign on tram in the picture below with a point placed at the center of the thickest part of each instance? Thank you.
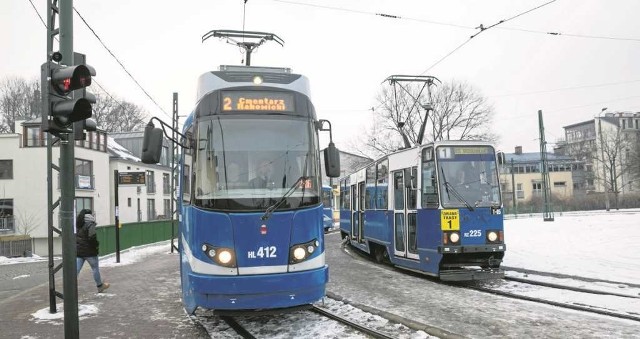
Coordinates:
(450, 220)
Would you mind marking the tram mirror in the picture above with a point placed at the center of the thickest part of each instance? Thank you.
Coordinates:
(151, 144)
(332, 161)
(501, 158)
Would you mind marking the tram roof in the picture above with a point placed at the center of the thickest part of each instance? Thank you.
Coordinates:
(243, 76)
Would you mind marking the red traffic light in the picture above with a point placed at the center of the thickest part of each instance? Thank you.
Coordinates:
(67, 79)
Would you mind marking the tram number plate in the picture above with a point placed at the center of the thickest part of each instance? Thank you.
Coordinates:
(263, 252)
(450, 220)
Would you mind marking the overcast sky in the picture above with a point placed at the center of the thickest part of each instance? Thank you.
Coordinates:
(347, 51)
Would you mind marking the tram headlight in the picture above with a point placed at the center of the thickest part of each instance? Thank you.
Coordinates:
(301, 252)
(495, 236)
(225, 257)
(220, 255)
(257, 80)
(454, 237)
(492, 236)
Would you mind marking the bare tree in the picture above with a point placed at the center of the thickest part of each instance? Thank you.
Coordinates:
(116, 115)
(459, 113)
(19, 100)
(26, 222)
(617, 159)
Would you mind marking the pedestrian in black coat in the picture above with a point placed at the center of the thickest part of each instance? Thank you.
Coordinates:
(87, 246)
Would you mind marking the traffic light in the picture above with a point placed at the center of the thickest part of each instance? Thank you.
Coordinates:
(60, 110)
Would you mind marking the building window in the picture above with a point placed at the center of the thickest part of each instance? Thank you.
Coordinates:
(84, 203)
(151, 182)
(6, 169)
(537, 188)
(167, 209)
(7, 220)
(519, 191)
(559, 184)
(151, 209)
(84, 174)
(33, 137)
(166, 186)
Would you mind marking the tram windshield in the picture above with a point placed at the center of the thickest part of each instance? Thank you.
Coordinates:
(249, 163)
(468, 176)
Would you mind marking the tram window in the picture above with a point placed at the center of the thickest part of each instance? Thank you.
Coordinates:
(412, 194)
(369, 194)
(382, 175)
(429, 185)
(398, 190)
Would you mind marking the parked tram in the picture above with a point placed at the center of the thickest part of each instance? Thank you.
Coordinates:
(251, 216)
(435, 209)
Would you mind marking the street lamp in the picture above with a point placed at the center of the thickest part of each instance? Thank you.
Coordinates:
(604, 170)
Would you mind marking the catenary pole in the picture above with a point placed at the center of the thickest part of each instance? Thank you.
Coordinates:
(67, 188)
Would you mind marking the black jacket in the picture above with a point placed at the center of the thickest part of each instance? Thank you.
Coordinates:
(86, 239)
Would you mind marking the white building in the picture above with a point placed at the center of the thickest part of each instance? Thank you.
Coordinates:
(23, 184)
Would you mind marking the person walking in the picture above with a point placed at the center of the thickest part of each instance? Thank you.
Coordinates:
(87, 246)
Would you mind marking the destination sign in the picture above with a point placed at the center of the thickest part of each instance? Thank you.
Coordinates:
(131, 178)
(257, 101)
(471, 150)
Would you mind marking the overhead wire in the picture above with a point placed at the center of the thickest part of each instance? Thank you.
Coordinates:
(121, 65)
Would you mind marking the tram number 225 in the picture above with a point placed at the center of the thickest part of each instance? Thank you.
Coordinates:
(263, 252)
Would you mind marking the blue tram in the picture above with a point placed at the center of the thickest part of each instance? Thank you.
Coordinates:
(435, 209)
(251, 216)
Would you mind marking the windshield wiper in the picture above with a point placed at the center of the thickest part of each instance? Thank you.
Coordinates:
(455, 192)
(270, 209)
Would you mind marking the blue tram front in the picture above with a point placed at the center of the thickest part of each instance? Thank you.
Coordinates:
(435, 209)
(252, 219)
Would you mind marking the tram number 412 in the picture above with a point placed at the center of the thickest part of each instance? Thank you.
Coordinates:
(263, 252)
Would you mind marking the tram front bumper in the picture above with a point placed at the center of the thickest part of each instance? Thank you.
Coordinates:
(472, 249)
(268, 291)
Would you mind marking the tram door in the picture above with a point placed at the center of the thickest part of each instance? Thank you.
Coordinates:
(405, 240)
(357, 211)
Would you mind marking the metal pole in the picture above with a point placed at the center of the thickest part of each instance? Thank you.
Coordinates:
(604, 170)
(513, 190)
(173, 165)
(115, 194)
(67, 187)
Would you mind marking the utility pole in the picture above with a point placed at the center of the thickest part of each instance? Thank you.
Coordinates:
(607, 204)
(548, 212)
(67, 188)
(174, 171)
(513, 190)
(61, 109)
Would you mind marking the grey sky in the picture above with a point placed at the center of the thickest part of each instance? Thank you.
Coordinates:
(347, 51)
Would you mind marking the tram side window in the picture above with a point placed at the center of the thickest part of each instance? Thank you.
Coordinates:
(345, 196)
(398, 189)
(369, 194)
(429, 186)
(382, 178)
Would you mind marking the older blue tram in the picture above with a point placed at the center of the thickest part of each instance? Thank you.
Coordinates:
(435, 209)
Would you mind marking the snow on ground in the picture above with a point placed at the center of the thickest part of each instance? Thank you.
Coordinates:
(599, 244)
(127, 257)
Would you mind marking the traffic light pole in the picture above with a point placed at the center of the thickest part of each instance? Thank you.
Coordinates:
(67, 188)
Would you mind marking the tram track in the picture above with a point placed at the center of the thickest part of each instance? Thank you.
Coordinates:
(580, 305)
(255, 326)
